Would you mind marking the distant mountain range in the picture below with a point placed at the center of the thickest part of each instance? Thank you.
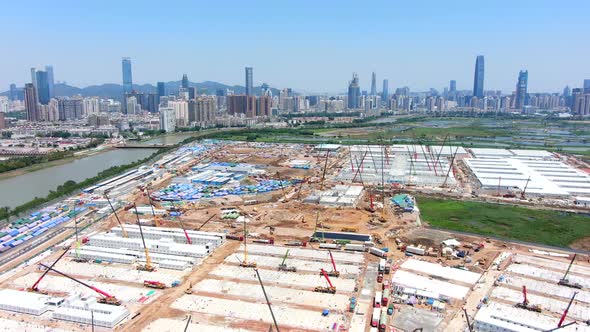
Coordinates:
(115, 91)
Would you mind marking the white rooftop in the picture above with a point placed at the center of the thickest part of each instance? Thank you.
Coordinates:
(509, 318)
(412, 280)
(441, 271)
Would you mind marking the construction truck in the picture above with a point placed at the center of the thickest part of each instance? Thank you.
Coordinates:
(106, 299)
(189, 290)
(565, 281)
(154, 284)
(525, 303)
(283, 266)
(322, 289)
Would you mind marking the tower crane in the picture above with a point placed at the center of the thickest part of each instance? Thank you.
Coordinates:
(321, 289)
(106, 299)
(35, 287)
(148, 261)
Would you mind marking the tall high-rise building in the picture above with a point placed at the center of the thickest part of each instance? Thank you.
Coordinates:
(13, 93)
(249, 77)
(478, 77)
(167, 119)
(42, 87)
(566, 91)
(184, 81)
(31, 102)
(453, 86)
(192, 92)
(373, 84)
(34, 76)
(354, 92)
(385, 92)
(521, 88)
(127, 76)
(161, 89)
(50, 82)
(587, 86)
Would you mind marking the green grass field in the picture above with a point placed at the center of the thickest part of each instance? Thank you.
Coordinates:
(512, 222)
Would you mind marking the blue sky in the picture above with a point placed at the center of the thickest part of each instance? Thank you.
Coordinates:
(307, 45)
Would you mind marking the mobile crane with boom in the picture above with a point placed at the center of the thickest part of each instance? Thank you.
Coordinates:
(283, 266)
(106, 299)
(35, 287)
(148, 261)
(321, 289)
(565, 281)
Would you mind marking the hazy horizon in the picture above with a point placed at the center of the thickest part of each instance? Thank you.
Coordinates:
(308, 46)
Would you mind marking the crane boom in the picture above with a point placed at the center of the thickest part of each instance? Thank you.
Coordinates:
(324, 171)
(35, 286)
(266, 297)
(566, 310)
(285, 257)
(188, 239)
(103, 293)
(525, 301)
(206, 222)
(525, 186)
(148, 260)
(116, 216)
(569, 267)
(333, 262)
(325, 274)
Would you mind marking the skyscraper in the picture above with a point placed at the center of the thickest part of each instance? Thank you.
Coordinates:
(478, 77)
(192, 92)
(31, 102)
(13, 93)
(34, 77)
(161, 89)
(453, 86)
(50, 82)
(127, 76)
(373, 84)
(249, 89)
(566, 91)
(587, 86)
(354, 92)
(42, 87)
(184, 81)
(385, 93)
(521, 88)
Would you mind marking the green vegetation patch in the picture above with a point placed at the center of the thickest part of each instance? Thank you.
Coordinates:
(549, 227)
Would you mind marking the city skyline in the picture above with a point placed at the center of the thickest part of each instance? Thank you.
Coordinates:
(289, 62)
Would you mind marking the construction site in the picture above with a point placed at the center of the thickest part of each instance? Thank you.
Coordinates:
(235, 236)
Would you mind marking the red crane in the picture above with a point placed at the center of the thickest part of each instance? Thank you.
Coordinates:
(331, 289)
(108, 299)
(524, 190)
(35, 288)
(566, 310)
(188, 239)
(525, 303)
(334, 272)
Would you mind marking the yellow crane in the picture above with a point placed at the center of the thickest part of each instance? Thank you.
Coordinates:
(148, 261)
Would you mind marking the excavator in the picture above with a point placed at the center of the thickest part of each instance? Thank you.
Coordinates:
(35, 287)
(334, 273)
(106, 299)
(525, 303)
(321, 289)
(565, 281)
(283, 266)
(148, 261)
(245, 262)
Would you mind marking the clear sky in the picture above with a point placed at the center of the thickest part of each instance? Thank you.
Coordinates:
(307, 45)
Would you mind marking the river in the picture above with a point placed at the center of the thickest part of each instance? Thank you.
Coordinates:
(20, 189)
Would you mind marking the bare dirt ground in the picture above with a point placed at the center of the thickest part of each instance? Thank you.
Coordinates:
(581, 244)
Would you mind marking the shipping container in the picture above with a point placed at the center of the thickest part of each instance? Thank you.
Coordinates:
(377, 252)
(375, 317)
(14, 233)
(329, 246)
(415, 250)
(354, 247)
(383, 320)
(3, 249)
(385, 298)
